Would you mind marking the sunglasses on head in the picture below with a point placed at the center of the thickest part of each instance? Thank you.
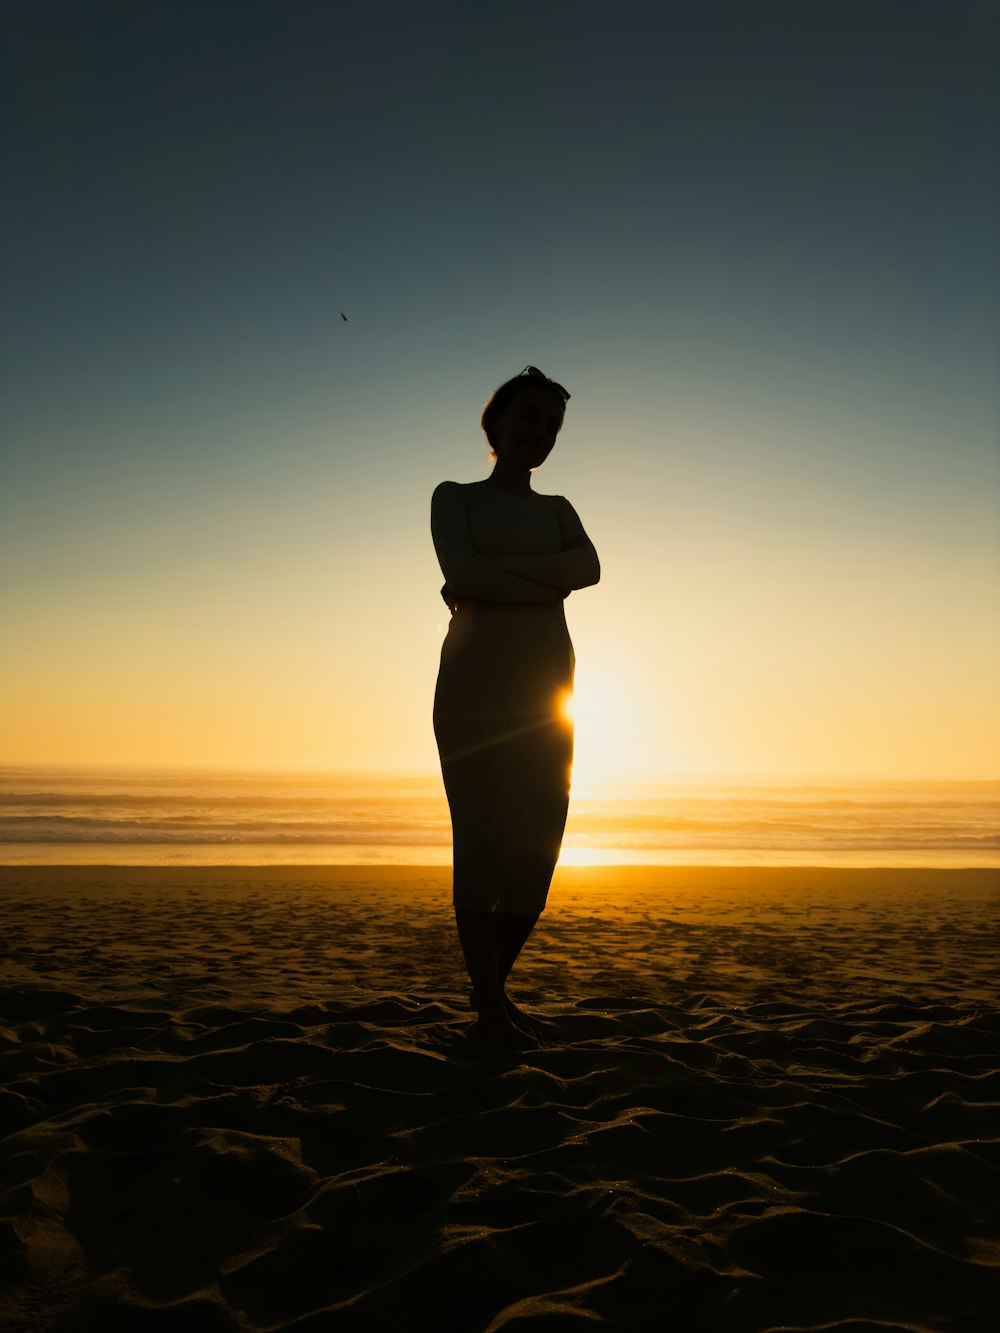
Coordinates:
(536, 374)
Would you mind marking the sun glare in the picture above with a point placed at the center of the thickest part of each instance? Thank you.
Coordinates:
(600, 710)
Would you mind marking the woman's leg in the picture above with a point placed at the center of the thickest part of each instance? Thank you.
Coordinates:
(512, 930)
(478, 937)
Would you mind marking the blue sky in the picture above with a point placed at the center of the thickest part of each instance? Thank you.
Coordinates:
(757, 242)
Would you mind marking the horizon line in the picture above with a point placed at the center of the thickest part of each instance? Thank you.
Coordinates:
(687, 778)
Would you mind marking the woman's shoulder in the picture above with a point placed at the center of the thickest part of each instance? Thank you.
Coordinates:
(450, 488)
(468, 490)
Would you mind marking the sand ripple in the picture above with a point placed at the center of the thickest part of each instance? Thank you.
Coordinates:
(739, 1158)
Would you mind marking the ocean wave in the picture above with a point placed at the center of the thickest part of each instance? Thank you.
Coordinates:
(96, 833)
(135, 809)
(62, 829)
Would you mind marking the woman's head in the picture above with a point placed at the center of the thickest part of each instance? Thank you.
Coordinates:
(525, 414)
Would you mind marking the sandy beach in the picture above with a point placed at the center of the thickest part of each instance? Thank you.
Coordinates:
(253, 1099)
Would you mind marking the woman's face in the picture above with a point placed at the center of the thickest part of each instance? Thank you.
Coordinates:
(527, 428)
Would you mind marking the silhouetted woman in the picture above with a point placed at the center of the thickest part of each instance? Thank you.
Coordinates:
(510, 557)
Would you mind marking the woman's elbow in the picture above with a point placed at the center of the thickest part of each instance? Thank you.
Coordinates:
(461, 587)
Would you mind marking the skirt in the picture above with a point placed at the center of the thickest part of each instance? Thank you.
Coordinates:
(506, 750)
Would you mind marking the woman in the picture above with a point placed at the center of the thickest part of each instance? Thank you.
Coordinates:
(510, 557)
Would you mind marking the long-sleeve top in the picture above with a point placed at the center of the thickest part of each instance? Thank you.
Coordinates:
(496, 547)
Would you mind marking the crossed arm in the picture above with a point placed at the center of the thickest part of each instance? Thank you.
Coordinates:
(531, 580)
(575, 566)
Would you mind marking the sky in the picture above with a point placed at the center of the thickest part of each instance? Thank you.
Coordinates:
(755, 241)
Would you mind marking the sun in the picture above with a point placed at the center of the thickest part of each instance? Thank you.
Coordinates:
(602, 715)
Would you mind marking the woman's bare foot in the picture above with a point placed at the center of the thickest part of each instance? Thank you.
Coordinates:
(496, 1029)
(534, 1027)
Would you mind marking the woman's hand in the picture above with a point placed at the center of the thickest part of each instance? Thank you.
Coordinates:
(450, 600)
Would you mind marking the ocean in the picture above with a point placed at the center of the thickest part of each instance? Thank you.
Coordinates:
(122, 816)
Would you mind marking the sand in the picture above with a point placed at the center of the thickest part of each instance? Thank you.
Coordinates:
(253, 1099)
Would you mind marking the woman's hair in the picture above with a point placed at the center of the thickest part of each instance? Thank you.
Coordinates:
(500, 397)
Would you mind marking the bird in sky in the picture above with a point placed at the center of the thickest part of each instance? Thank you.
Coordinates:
(342, 315)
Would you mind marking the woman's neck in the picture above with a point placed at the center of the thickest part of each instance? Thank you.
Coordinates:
(513, 480)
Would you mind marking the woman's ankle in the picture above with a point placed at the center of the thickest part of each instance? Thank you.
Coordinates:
(491, 1005)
